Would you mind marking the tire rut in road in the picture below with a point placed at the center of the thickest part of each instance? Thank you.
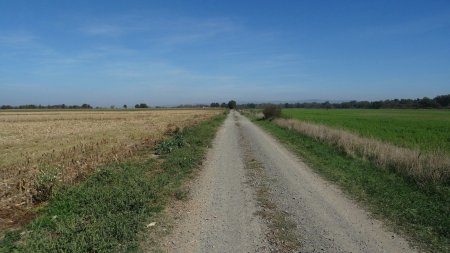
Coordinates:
(282, 235)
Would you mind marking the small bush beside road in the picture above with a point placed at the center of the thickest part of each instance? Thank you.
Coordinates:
(271, 112)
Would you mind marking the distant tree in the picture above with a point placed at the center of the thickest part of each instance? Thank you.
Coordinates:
(223, 105)
(427, 103)
(125, 106)
(112, 107)
(443, 100)
(326, 105)
(215, 105)
(232, 104)
(141, 105)
(376, 105)
(86, 106)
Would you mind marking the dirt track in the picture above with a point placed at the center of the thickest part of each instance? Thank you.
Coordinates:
(221, 215)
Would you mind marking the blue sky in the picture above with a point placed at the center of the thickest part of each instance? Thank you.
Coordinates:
(176, 52)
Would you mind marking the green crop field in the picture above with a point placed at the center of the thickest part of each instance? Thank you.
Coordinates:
(427, 130)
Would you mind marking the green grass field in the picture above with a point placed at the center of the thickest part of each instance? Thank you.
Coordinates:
(427, 130)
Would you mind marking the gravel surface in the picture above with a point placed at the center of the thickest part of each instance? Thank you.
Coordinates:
(221, 214)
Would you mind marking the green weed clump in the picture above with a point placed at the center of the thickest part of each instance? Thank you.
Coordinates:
(44, 184)
(167, 146)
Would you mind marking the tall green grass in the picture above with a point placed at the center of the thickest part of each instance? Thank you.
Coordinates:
(426, 130)
(106, 212)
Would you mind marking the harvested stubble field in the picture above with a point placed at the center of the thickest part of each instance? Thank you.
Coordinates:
(46, 149)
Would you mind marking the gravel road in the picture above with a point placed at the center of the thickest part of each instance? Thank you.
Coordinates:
(221, 215)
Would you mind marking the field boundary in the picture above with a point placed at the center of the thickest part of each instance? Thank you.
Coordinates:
(411, 163)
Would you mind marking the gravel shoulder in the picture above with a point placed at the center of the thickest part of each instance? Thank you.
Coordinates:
(221, 215)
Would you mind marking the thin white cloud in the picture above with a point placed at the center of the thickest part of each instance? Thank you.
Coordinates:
(190, 31)
(23, 46)
(108, 29)
(15, 39)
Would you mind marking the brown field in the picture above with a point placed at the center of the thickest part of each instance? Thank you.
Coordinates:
(43, 149)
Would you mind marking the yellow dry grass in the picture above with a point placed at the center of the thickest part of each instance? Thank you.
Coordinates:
(66, 145)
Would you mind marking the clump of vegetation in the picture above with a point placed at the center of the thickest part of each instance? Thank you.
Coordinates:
(271, 112)
(167, 146)
(181, 193)
(43, 186)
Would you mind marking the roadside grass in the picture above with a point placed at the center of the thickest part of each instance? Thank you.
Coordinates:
(422, 213)
(107, 212)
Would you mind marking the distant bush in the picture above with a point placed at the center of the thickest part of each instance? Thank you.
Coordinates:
(141, 105)
(271, 112)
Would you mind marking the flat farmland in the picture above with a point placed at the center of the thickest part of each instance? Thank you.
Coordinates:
(60, 147)
(424, 130)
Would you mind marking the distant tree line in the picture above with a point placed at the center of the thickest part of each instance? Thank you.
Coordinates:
(61, 106)
(141, 105)
(231, 104)
(217, 105)
(442, 101)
